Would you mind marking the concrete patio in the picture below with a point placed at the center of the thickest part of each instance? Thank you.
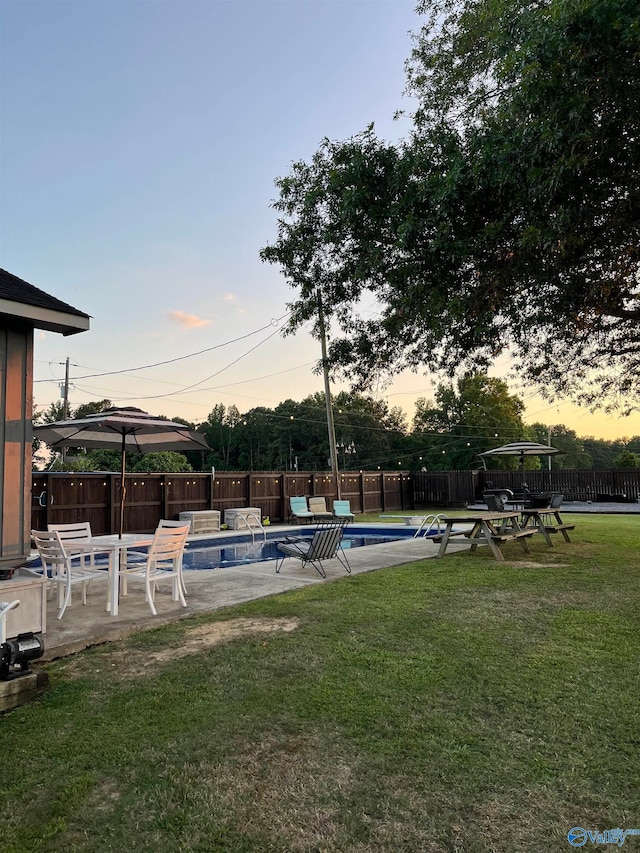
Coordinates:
(211, 590)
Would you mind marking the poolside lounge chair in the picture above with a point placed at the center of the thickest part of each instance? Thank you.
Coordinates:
(299, 509)
(318, 506)
(342, 509)
(325, 544)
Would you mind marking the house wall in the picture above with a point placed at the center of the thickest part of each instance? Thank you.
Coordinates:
(16, 406)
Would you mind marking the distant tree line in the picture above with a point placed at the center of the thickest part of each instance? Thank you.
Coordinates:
(464, 418)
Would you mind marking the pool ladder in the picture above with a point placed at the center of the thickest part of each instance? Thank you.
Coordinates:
(252, 527)
(428, 525)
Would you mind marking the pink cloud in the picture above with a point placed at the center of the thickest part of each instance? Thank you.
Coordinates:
(189, 321)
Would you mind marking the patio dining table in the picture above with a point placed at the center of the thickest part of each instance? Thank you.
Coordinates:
(116, 548)
(492, 528)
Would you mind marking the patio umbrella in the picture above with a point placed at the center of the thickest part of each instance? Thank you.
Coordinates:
(122, 429)
(522, 449)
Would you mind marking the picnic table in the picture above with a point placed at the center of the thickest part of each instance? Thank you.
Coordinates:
(546, 521)
(492, 528)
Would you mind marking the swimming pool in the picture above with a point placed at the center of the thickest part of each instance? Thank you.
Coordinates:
(229, 552)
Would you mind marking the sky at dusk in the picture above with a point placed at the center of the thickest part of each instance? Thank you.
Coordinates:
(140, 143)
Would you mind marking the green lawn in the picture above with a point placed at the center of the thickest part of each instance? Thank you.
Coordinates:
(444, 705)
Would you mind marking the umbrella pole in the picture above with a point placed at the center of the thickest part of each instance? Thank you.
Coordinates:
(123, 490)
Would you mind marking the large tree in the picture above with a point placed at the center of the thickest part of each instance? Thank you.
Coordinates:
(509, 219)
(466, 418)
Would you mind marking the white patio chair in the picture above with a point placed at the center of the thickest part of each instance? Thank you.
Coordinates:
(59, 567)
(166, 522)
(163, 563)
(78, 531)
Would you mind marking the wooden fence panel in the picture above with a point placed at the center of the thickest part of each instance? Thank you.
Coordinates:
(95, 497)
(352, 490)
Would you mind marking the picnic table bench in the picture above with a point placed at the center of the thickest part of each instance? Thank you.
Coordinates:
(546, 521)
(494, 529)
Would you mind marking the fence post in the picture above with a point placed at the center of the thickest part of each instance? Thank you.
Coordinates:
(283, 499)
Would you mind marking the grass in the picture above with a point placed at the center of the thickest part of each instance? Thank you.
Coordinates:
(444, 705)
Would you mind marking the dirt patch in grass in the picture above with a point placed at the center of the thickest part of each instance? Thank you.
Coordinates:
(205, 637)
(123, 664)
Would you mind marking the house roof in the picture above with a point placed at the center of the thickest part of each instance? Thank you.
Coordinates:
(21, 300)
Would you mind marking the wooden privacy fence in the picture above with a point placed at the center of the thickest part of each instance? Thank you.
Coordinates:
(95, 497)
(456, 488)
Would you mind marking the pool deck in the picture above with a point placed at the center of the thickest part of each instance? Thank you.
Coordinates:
(207, 591)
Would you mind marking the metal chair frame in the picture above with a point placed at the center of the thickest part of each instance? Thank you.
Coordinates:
(325, 544)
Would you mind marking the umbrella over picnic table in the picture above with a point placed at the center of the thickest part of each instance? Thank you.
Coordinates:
(521, 449)
(122, 429)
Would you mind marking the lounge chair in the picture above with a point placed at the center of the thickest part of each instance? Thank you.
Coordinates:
(318, 506)
(299, 509)
(342, 509)
(325, 544)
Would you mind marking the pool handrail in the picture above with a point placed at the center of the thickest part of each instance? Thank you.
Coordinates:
(251, 527)
(433, 520)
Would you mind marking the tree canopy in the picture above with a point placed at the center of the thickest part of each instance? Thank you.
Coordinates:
(508, 220)
(471, 416)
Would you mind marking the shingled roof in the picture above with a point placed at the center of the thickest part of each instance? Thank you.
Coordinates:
(19, 299)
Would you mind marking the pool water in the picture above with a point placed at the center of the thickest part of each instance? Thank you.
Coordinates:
(239, 551)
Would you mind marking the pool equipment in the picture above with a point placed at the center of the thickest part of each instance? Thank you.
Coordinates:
(15, 654)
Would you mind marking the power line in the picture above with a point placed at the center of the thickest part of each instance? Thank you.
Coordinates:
(272, 322)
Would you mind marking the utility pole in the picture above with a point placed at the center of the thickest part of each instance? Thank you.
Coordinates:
(65, 408)
(65, 402)
(333, 451)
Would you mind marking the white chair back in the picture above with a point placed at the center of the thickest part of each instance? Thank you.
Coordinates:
(58, 561)
(168, 543)
(163, 562)
(78, 530)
